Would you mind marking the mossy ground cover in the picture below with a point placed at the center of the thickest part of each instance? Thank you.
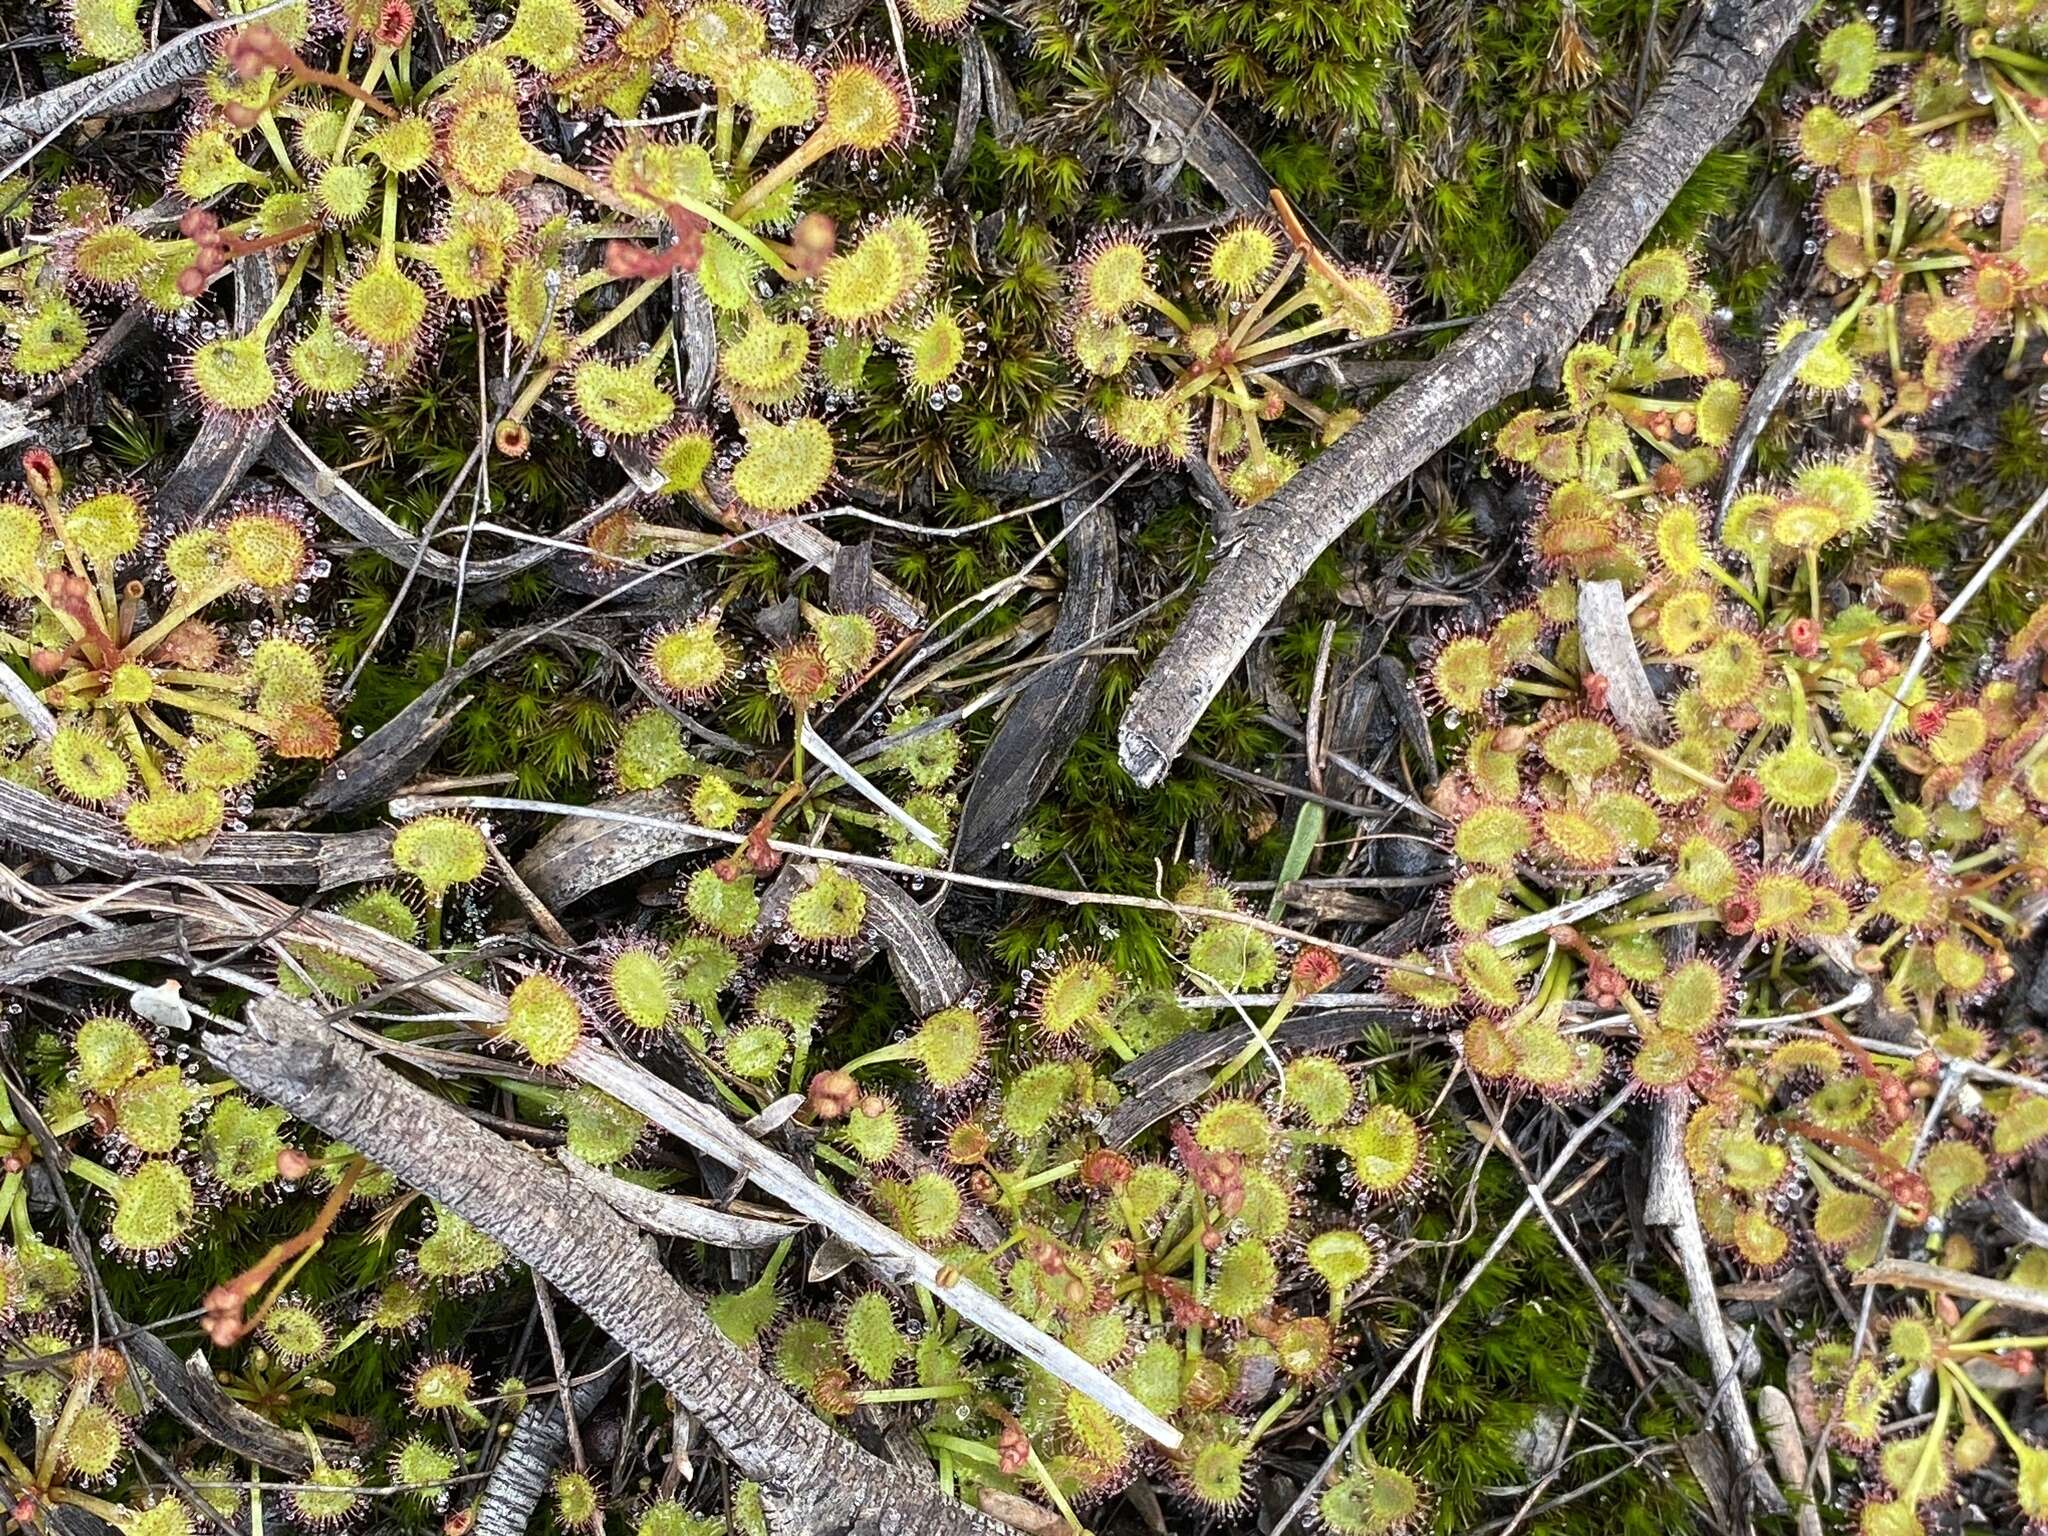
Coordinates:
(750, 364)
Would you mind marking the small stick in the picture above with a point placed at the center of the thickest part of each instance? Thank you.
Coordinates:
(543, 919)
(1956, 1282)
(407, 806)
(546, 1303)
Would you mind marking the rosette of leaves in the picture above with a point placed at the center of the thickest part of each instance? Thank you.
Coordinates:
(1929, 196)
(322, 139)
(1202, 367)
(167, 711)
(699, 660)
(1648, 412)
(1552, 800)
(1204, 1266)
(1967, 1362)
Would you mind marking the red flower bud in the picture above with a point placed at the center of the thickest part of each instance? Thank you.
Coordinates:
(628, 259)
(811, 244)
(256, 49)
(833, 1094)
(1013, 1449)
(1596, 688)
(1802, 635)
(45, 479)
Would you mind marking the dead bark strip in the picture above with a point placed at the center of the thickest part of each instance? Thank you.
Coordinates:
(331, 495)
(87, 840)
(1198, 135)
(519, 1479)
(926, 969)
(1168, 1078)
(1611, 649)
(1610, 645)
(1710, 86)
(1669, 1204)
(188, 1391)
(374, 769)
(131, 87)
(1048, 717)
(576, 856)
(676, 1215)
(821, 1481)
(1932, 1277)
(45, 958)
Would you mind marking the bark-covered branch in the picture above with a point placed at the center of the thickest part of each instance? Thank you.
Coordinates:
(1710, 86)
(821, 1480)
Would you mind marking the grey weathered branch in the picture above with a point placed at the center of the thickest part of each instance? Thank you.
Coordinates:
(89, 840)
(704, 1129)
(1669, 1204)
(820, 1480)
(1709, 87)
(27, 703)
(1611, 650)
(1953, 1282)
(131, 87)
